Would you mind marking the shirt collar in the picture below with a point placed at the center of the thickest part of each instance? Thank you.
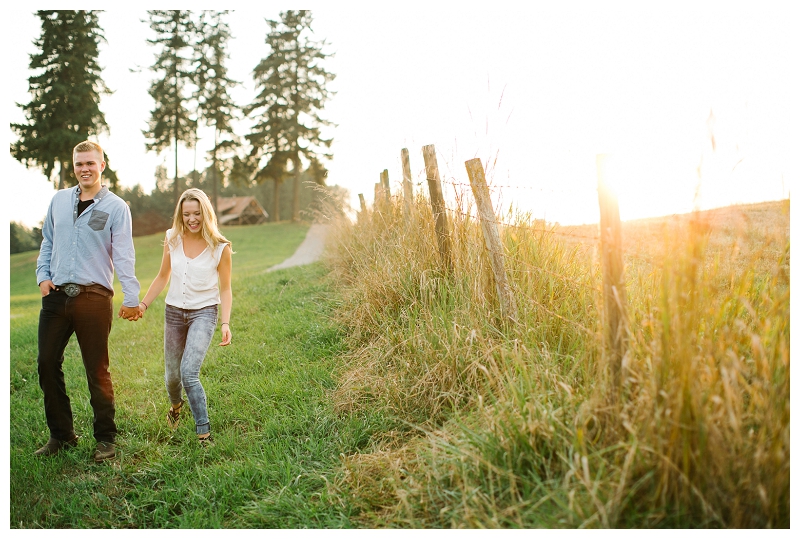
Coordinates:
(98, 197)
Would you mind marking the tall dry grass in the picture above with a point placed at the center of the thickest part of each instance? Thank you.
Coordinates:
(512, 425)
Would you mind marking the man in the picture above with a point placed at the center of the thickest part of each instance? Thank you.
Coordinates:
(86, 236)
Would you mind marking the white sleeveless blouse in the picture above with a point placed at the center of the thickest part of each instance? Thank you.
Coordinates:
(194, 283)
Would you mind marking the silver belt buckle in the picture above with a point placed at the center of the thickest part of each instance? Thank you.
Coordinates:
(72, 289)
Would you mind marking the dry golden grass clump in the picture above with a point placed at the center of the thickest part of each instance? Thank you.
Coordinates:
(515, 424)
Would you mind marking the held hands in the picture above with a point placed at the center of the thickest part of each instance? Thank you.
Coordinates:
(226, 334)
(131, 314)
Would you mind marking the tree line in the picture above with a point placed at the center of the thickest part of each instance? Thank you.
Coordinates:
(191, 87)
(152, 212)
(23, 238)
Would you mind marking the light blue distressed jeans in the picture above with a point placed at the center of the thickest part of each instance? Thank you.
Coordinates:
(187, 336)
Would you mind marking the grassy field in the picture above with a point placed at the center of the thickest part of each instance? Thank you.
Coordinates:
(374, 390)
(518, 424)
(277, 436)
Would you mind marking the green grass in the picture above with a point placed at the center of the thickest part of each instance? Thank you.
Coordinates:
(380, 391)
(278, 439)
(517, 425)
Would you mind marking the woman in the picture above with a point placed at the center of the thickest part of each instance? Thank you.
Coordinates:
(197, 264)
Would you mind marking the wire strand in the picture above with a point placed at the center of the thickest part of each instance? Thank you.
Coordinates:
(543, 270)
(527, 227)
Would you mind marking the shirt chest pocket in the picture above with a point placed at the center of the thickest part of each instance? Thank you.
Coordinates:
(98, 220)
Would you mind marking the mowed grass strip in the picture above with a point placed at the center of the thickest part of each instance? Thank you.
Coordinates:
(276, 437)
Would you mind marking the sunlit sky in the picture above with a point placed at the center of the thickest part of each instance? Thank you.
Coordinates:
(542, 88)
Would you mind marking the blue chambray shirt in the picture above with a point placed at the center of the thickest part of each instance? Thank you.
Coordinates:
(86, 249)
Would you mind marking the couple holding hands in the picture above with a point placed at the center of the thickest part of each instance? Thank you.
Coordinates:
(86, 236)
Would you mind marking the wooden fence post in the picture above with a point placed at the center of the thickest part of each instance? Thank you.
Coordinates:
(363, 203)
(491, 236)
(614, 297)
(437, 203)
(408, 188)
(385, 183)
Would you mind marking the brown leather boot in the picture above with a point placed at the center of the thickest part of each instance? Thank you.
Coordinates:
(105, 450)
(53, 446)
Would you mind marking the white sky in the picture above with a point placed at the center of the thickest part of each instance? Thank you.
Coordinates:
(576, 79)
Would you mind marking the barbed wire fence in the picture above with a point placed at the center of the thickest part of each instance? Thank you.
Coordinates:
(607, 241)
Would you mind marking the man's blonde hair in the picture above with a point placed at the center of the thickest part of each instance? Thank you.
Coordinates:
(88, 146)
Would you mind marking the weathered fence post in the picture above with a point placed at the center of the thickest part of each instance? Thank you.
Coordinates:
(408, 188)
(385, 183)
(614, 297)
(491, 236)
(362, 215)
(378, 200)
(437, 203)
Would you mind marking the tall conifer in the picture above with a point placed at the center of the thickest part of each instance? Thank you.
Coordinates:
(171, 120)
(66, 89)
(292, 88)
(214, 102)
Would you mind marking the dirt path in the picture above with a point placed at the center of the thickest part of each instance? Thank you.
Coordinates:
(309, 251)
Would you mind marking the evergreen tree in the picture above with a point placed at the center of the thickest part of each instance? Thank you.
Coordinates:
(66, 90)
(215, 105)
(171, 121)
(292, 92)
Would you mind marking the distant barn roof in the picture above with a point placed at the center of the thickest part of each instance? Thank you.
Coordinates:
(240, 211)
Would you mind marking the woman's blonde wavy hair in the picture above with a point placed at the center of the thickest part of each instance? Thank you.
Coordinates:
(209, 227)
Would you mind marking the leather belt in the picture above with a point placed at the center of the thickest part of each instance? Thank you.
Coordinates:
(72, 289)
